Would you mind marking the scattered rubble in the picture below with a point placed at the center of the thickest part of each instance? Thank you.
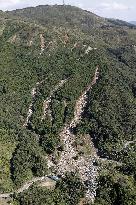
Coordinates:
(75, 46)
(42, 43)
(89, 49)
(134, 47)
(30, 110)
(13, 39)
(128, 143)
(70, 160)
(47, 102)
(30, 43)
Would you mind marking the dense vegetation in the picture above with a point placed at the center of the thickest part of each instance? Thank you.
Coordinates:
(67, 191)
(109, 116)
(115, 190)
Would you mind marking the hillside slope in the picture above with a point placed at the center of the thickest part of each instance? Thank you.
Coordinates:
(68, 108)
(133, 22)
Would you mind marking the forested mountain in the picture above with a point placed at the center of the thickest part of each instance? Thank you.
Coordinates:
(133, 22)
(68, 108)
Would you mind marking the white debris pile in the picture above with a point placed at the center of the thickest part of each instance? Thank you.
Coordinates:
(30, 109)
(70, 160)
(89, 48)
(80, 104)
(29, 114)
(134, 47)
(46, 110)
(128, 143)
(42, 43)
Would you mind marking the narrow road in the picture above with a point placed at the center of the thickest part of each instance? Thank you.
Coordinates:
(25, 186)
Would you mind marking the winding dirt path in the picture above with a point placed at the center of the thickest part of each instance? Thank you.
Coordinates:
(25, 186)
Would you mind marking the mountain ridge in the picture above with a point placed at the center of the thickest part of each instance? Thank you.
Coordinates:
(47, 65)
(133, 22)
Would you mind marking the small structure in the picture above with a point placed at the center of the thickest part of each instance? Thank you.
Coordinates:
(55, 178)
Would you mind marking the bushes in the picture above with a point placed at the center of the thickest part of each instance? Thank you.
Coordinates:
(115, 190)
(72, 189)
(49, 143)
(68, 191)
(27, 160)
(110, 113)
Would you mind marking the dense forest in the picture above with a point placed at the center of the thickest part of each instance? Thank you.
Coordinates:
(68, 108)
